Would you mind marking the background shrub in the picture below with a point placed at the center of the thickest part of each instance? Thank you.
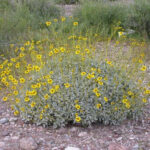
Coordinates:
(140, 17)
(101, 16)
(66, 1)
(21, 17)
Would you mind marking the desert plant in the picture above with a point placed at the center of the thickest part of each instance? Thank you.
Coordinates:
(140, 17)
(101, 16)
(59, 81)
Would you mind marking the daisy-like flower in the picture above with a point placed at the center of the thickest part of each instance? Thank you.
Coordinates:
(48, 23)
(52, 91)
(77, 106)
(75, 23)
(143, 68)
(32, 104)
(78, 119)
(67, 85)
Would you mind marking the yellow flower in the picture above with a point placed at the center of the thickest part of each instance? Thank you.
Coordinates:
(41, 116)
(124, 101)
(77, 106)
(130, 93)
(63, 19)
(46, 106)
(26, 99)
(95, 90)
(50, 81)
(140, 61)
(16, 112)
(105, 99)
(46, 96)
(120, 33)
(100, 83)
(83, 73)
(57, 87)
(76, 101)
(144, 100)
(128, 105)
(55, 20)
(22, 48)
(50, 53)
(15, 92)
(67, 85)
(99, 78)
(52, 91)
(5, 99)
(87, 51)
(77, 52)
(17, 65)
(105, 78)
(51, 72)
(75, 23)
(39, 56)
(78, 119)
(98, 94)
(48, 23)
(21, 54)
(143, 68)
(1, 66)
(22, 80)
(147, 92)
(22, 109)
(17, 100)
(98, 106)
(32, 104)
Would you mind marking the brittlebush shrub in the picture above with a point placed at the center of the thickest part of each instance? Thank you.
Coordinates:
(60, 81)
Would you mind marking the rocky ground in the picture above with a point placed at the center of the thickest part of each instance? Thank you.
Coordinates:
(16, 135)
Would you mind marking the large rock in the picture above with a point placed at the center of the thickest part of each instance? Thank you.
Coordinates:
(3, 120)
(28, 143)
(115, 146)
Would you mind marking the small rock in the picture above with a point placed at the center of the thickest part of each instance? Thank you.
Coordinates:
(3, 120)
(74, 129)
(15, 137)
(61, 130)
(28, 143)
(82, 134)
(13, 119)
(5, 133)
(135, 147)
(119, 139)
(71, 148)
(2, 144)
(55, 148)
(115, 146)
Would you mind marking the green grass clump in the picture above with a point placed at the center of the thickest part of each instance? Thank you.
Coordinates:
(101, 16)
